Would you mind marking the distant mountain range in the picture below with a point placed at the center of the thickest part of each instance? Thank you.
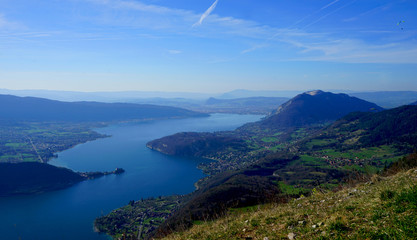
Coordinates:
(242, 93)
(119, 96)
(14, 108)
(388, 99)
(199, 101)
(250, 105)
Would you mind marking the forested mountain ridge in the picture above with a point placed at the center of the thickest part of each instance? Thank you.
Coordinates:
(26, 109)
(396, 126)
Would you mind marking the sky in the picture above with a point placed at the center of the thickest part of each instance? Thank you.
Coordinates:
(208, 46)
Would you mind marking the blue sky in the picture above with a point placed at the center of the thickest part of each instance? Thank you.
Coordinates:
(207, 45)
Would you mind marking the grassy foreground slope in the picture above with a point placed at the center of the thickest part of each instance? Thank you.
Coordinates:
(382, 208)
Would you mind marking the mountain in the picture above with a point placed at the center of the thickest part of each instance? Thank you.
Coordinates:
(357, 144)
(316, 107)
(388, 99)
(310, 108)
(14, 108)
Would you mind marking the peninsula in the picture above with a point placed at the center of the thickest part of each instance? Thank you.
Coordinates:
(33, 178)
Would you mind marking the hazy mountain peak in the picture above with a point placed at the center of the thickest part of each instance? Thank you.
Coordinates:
(314, 92)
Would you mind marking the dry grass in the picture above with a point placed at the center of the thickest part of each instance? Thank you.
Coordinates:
(367, 211)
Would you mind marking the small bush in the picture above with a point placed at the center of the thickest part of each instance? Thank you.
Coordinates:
(338, 226)
(387, 194)
(291, 223)
(271, 220)
(350, 208)
(378, 236)
(378, 214)
(255, 222)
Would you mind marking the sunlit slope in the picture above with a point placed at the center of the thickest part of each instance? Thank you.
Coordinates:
(383, 208)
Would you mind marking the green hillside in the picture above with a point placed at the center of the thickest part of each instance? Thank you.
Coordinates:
(381, 208)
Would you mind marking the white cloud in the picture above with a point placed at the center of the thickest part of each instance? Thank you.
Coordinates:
(136, 14)
(303, 44)
(206, 13)
(355, 51)
(6, 24)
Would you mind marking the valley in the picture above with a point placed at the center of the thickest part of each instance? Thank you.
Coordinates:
(284, 158)
(299, 147)
(210, 119)
(40, 142)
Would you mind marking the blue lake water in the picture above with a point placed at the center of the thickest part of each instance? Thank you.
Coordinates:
(69, 213)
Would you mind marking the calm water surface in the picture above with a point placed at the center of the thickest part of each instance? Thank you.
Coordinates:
(69, 213)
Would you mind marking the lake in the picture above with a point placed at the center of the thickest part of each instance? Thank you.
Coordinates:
(69, 213)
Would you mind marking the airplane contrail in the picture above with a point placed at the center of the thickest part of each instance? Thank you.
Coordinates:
(299, 21)
(326, 15)
(206, 13)
(314, 13)
(328, 5)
